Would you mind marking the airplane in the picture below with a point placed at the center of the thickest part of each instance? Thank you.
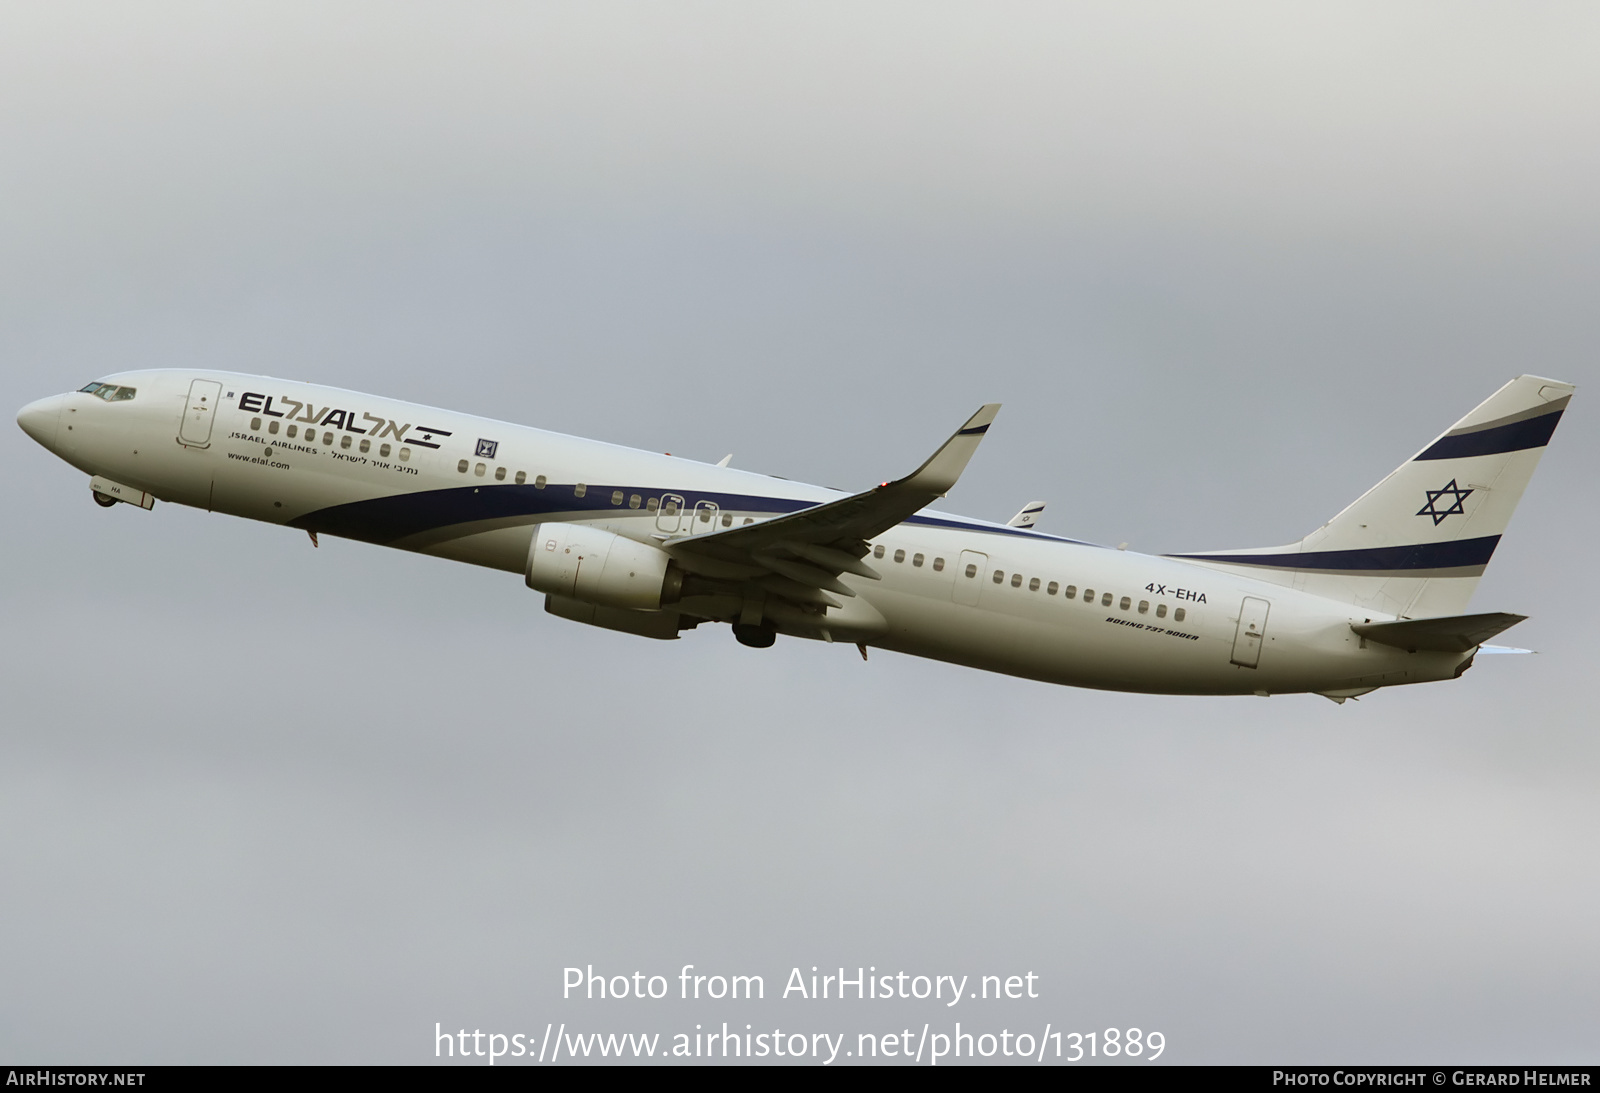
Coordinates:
(652, 545)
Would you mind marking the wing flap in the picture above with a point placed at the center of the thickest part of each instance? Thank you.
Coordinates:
(808, 575)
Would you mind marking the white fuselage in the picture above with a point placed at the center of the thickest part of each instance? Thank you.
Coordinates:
(390, 472)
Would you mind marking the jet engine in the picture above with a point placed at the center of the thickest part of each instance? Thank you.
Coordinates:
(592, 565)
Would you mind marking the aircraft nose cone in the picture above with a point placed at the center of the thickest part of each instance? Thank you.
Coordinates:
(41, 419)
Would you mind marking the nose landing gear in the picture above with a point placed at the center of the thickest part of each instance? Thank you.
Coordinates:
(107, 493)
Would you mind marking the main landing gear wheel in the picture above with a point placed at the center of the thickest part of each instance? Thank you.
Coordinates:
(102, 500)
(757, 637)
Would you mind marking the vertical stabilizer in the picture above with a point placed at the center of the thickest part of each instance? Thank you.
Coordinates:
(1415, 544)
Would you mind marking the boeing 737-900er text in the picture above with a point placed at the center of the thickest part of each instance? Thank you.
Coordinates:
(652, 545)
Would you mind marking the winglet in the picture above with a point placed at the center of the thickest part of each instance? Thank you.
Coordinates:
(1025, 519)
(944, 467)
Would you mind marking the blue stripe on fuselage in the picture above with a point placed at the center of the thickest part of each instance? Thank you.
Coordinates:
(399, 516)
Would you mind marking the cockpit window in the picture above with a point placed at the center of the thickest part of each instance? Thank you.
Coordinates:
(109, 391)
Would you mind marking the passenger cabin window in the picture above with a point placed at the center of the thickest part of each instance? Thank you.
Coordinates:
(538, 483)
(327, 438)
(479, 469)
(633, 501)
(917, 560)
(294, 429)
(405, 455)
(1177, 616)
(272, 427)
(1144, 607)
(1072, 592)
(616, 497)
(899, 555)
(522, 478)
(383, 450)
(1105, 601)
(1033, 585)
(1052, 588)
(579, 490)
(344, 442)
(651, 506)
(1161, 610)
(727, 519)
(877, 551)
(938, 565)
(255, 425)
(499, 474)
(1016, 580)
(366, 445)
(972, 570)
(1126, 603)
(1088, 595)
(999, 576)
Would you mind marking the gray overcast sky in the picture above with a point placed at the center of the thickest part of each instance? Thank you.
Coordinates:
(1226, 265)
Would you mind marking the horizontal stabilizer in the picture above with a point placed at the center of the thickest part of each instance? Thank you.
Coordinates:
(1448, 634)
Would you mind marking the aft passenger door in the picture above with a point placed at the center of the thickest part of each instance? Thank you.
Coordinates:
(1251, 633)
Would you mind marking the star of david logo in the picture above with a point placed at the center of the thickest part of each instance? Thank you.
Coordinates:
(1452, 507)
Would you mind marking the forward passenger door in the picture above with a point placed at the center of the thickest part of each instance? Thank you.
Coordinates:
(194, 431)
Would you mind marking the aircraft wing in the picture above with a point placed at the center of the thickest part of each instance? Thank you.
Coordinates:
(801, 554)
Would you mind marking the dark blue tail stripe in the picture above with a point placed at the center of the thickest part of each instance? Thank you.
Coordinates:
(1532, 433)
(1451, 555)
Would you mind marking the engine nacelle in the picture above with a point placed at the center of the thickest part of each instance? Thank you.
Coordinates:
(580, 562)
